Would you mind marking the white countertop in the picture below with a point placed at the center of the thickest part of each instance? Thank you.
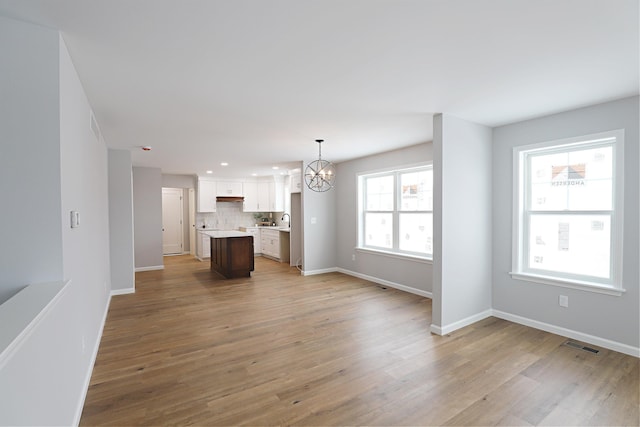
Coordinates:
(206, 229)
(269, 227)
(223, 234)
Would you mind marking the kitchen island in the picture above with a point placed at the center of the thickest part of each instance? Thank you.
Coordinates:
(231, 253)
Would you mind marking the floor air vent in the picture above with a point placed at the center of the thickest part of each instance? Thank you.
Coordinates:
(581, 347)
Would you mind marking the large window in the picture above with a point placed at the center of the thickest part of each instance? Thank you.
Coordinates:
(396, 211)
(567, 216)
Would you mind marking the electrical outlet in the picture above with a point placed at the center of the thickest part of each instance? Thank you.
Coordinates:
(353, 257)
(563, 300)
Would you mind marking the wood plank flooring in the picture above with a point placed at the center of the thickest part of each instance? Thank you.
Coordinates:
(189, 348)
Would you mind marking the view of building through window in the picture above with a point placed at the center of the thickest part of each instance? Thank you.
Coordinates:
(567, 216)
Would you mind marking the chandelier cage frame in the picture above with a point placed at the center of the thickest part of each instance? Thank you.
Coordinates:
(320, 175)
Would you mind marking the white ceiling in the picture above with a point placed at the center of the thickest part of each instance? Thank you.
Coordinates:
(255, 82)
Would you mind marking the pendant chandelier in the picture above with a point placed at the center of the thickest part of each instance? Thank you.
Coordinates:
(320, 175)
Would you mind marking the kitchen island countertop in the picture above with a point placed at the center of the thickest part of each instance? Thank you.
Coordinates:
(223, 234)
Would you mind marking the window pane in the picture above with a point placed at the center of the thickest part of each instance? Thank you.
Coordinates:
(574, 180)
(416, 232)
(379, 193)
(378, 230)
(574, 244)
(416, 191)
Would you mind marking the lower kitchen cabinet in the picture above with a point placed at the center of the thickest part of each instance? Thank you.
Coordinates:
(275, 244)
(232, 256)
(203, 246)
(257, 242)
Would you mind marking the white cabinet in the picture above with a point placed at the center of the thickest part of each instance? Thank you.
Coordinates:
(203, 246)
(250, 190)
(264, 195)
(206, 196)
(257, 242)
(296, 182)
(276, 194)
(229, 189)
(264, 200)
(270, 242)
(275, 244)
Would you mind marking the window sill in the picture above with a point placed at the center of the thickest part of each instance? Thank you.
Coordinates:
(572, 284)
(406, 257)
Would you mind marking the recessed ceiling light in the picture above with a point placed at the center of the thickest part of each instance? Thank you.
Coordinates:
(254, 174)
(275, 168)
(209, 171)
(224, 164)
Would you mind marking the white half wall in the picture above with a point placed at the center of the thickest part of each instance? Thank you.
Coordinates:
(44, 379)
(462, 223)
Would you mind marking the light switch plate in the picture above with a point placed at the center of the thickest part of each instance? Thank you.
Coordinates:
(75, 219)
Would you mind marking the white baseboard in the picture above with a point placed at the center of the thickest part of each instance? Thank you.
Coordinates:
(94, 355)
(322, 271)
(558, 330)
(388, 283)
(150, 268)
(447, 329)
(123, 291)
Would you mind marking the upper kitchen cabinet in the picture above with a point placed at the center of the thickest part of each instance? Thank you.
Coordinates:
(296, 182)
(276, 194)
(207, 193)
(264, 195)
(250, 197)
(229, 189)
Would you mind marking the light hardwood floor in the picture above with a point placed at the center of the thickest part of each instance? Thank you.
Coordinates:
(279, 349)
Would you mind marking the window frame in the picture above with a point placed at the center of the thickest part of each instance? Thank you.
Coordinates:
(522, 213)
(394, 251)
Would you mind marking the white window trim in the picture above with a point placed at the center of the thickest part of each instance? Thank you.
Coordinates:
(383, 251)
(518, 251)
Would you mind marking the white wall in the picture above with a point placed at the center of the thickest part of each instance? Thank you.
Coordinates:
(147, 218)
(462, 223)
(121, 221)
(30, 235)
(319, 230)
(412, 275)
(614, 318)
(179, 181)
(45, 378)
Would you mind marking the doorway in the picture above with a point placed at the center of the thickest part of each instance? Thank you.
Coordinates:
(172, 229)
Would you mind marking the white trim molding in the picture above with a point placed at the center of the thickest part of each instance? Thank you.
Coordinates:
(123, 291)
(447, 329)
(569, 333)
(388, 283)
(150, 268)
(321, 271)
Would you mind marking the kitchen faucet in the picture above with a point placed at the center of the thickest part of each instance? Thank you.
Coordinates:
(282, 219)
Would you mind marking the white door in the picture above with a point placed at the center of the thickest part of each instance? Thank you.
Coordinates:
(171, 221)
(192, 221)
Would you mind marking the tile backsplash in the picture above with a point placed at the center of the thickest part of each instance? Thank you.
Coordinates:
(229, 216)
